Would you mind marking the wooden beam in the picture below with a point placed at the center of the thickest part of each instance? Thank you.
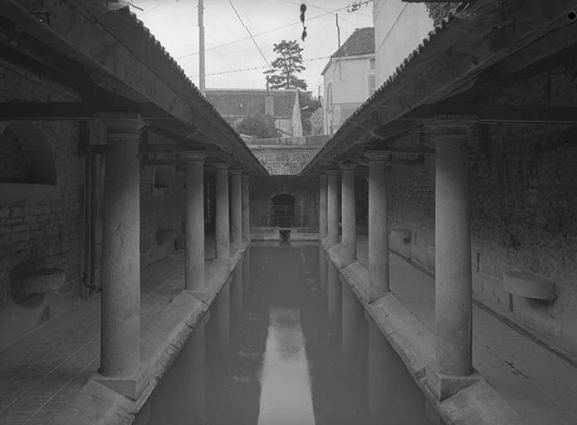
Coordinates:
(507, 114)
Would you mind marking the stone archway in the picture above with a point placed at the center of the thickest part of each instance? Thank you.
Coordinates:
(283, 210)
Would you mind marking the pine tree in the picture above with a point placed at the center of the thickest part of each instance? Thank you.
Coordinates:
(286, 66)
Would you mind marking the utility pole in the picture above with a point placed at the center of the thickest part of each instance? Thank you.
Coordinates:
(339, 42)
(201, 71)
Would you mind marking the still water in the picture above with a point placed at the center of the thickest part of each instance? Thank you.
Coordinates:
(286, 342)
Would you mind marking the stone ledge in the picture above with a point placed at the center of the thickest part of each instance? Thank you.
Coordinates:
(38, 281)
(474, 403)
(528, 285)
(404, 234)
(162, 336)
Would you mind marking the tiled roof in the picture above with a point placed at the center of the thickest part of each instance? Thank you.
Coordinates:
(244, 102)
(360, 42)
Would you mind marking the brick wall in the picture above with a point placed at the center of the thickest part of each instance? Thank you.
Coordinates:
(42, 226)
(305, 192)
(523, 204)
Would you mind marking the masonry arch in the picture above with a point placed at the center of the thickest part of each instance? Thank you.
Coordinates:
(25, 156)
(283, 210)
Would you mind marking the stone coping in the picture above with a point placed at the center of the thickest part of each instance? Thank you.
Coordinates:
(162, 336)
(476, 404)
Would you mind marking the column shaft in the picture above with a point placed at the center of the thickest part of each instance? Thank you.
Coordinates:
(453, 291)
(222, 212)
(120, 323)
(236, 209)
(245, 209)
(323, 206)
(378, 227)
(194, 223)
(332, 209)
(349, 241)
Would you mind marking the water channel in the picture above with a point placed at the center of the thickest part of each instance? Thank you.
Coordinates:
(286, 342)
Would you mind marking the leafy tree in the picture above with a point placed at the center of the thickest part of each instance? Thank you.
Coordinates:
(259, 126)
(286, 66)
(309, 104)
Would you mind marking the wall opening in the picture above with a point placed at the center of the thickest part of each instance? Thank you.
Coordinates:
(25, 156)
(283, 210)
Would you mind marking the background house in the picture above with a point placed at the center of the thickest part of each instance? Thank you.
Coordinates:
(236, 104)
(349, 78)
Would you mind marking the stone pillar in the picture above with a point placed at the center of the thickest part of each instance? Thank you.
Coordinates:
(245, 208)
(349, 241)
(222, 211)
(453, 281)
(236, 209)
(332, 208)
(120, 322)
(194, 223)
(378, 227)
(323, 206)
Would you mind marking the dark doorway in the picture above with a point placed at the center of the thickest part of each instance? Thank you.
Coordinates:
(283, 210)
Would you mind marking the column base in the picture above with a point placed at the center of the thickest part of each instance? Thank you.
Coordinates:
(444, 386)
(373, 296)
(131, 386)
(199, 295)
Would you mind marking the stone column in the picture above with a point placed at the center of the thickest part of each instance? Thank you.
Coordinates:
(349, 241)
(245, 208)
(332, 208)
(194, 223)
(120, 322)
(222, 211)
(378, 227)
(236, 209)
(323, 206)
(453, 281)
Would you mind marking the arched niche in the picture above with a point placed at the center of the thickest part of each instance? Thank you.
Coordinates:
(283, 210)
(25, 155)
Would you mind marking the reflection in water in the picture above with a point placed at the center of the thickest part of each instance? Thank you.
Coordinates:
(286, 392)
(286, 343)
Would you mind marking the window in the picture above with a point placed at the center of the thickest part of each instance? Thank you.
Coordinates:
(372, 81)
(372, 64)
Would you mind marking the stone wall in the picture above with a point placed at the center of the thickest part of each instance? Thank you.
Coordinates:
(45, 245)
(305, 192)
(523, 203)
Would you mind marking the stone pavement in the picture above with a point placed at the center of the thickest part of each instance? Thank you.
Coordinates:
(42, 371)
(538, 384)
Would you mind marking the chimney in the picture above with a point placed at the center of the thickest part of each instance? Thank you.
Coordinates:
(268, 103)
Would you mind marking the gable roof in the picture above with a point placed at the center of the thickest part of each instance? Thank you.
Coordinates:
(360, 42)
(244, 102)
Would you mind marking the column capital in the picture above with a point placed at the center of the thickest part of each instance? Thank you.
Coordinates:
(377, 156)
(245, 176)
(323, 176)
(333, 173)
(235, 172)
(193, 156)
(126, 126)
(221, 166)
(347, 166)
(451, 127)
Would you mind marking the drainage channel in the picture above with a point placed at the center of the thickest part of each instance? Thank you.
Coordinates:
(286, 342)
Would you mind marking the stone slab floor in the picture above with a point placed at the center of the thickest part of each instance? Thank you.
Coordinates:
(538, 384)
(43, 370)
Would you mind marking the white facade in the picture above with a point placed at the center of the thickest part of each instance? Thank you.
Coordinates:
(399, 29)
(347, 83)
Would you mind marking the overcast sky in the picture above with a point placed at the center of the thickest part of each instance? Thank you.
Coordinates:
(229, 48)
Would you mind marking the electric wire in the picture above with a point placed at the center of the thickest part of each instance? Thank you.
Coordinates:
(262, 33)
(232, 71)
(251, 36)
